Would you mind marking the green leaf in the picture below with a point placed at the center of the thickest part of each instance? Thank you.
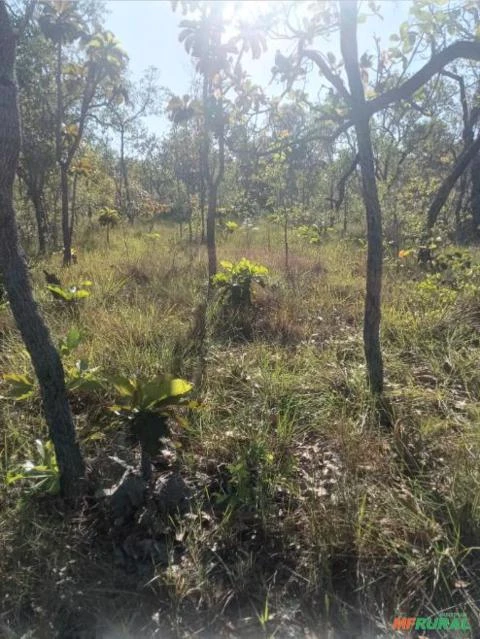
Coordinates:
(73, 339)
(43, 474)
(58, 292)
(80, 294)
(162, 389)
(21, 386)
(85, 384)
(125, 387)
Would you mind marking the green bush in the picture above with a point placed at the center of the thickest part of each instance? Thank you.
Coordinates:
(236, 281)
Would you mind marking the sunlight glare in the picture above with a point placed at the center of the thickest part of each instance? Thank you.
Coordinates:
(247, 11)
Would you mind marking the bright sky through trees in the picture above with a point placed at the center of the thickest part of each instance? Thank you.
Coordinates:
(148, 30)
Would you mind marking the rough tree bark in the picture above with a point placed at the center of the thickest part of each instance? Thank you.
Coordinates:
(361, 117)
(45, 359)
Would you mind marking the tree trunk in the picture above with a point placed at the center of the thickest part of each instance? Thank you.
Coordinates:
(41, 218)
(202, 212)
(467, 156)
(45, 358)
(211, 244)
(458, 209)
(61, 162)
(66, 236)
(475, 193)
(73, 209)
(371, 328)
(127, 204)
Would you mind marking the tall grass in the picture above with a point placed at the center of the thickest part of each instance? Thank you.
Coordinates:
(306, 517)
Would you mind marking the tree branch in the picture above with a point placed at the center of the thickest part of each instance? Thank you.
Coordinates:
(443, 192)
(334, 79)
(462, 49)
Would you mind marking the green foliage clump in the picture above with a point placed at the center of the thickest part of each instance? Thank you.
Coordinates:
(72, 294)
(80, 377)
(108, 217)
(311, 233)
(230, 226)
(237, 278)
(41, 473)
(20, 386)
(455, 270)
(146, 406)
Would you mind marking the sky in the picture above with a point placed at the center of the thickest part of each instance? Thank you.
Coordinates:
(148, 31)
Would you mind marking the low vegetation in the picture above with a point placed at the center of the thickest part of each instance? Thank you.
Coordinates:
(240, 327)
(277, 504)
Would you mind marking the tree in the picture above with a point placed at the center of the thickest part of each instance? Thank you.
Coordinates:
(37, 162)
(204, 39)
(353, 109)
(371, 325)
(89, 84)
(124, 118)
(13, 268)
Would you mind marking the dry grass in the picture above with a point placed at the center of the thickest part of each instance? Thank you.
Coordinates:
(306, 519)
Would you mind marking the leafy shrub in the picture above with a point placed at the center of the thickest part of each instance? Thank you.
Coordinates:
(236, 281)
(454, 274)
(146, 406)
(41, 473)
(311, 233)
(108, 217)
(249, 478)
(455, 269)
(70, 342)
(230, 226)
(71, 295)
(80, 377)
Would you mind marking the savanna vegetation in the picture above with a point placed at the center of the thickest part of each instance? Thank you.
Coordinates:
(240, 382)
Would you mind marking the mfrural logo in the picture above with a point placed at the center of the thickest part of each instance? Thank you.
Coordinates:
(447, 621)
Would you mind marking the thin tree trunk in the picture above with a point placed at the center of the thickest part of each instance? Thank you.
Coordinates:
(202, 190)
(127, 205)
(475, 193)
(468, 155)
(211, 245)
(372, 316)
(211, 190)
(285, 237)
(45, 359)
(67, 245)
(458, 209)
(202, 212)
(41, 218)
(67, 254)
(54, 226)
(73, 212)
